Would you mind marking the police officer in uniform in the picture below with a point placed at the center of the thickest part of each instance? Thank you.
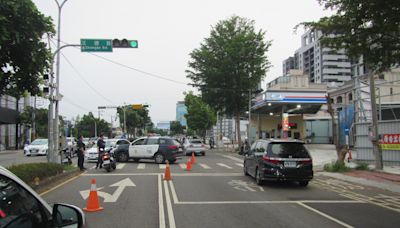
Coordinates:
(81, 153)
(101, 145)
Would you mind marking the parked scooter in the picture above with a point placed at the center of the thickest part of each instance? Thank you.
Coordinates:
(66, 156)
(109, 161)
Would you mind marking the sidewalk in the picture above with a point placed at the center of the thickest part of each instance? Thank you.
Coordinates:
(387, 179)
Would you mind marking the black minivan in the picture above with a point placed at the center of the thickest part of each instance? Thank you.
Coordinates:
(278, 159)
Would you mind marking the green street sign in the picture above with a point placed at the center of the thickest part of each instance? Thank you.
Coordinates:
(96, 45)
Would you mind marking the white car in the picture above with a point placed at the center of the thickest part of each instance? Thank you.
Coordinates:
(37, 147)
(20, 206)
(92, 154)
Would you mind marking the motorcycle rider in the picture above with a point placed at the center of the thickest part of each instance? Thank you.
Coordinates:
(101, 145)
(81, 153)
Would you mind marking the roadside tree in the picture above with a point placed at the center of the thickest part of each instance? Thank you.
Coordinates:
(228, 64)
(137, 120)
(176, 128)
(367, 29)
(41, 117)
(200, 116)
(85, 126)
(24, 56)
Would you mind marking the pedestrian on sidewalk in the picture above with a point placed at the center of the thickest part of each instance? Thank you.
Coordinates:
(81, 153)
(101, 146)
(211, 142)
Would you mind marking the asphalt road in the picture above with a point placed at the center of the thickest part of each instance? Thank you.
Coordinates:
(217, 194)
(13, 157)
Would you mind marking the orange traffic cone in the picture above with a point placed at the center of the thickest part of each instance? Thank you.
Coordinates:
(193, 159)
(189, 165)
(93, 203)
(167, 174)
(350, 157)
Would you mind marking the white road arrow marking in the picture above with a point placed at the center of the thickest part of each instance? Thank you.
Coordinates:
(108, 198)
(121, 186)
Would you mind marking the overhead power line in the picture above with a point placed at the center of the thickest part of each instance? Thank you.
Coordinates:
(84, 80)
(133, 68)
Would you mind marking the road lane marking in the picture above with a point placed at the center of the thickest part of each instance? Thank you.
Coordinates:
(223, 165)
(141, 166)
(63, 183)
(233, 158)
(120, 166)
(161, 214)
(204, 166)
(162, 166)
(349, 193)
(171, 219)
(110, 198)
(174, 195)
(325, 215)
(176, 174)
(239, 164)
(271, 202)
(183, 166)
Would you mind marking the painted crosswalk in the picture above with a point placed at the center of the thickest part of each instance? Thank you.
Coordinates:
(224, 165)
(239, 164)
(180, 165)
(204, 166)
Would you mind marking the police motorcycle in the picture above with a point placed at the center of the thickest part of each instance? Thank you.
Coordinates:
(109, 160)
(66, 156)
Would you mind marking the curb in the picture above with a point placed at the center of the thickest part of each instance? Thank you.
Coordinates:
(381, 185)
(53, 181)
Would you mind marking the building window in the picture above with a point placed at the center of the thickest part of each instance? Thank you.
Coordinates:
(339, 100)
(350, 96)
(391, 91)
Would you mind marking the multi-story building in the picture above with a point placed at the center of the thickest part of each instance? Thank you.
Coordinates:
(321, 64)
(181, 111)
(10, 108)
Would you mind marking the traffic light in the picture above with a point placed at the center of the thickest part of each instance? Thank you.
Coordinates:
(137, 106)
(124, 43)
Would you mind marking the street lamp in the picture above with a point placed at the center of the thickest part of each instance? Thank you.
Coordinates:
(53, 144)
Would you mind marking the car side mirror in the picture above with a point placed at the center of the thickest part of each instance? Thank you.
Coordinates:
(65, 215)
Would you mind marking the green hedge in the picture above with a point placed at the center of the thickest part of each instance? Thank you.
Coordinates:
(28, 172)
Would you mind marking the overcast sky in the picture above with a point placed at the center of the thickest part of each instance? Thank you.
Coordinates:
(167, 31)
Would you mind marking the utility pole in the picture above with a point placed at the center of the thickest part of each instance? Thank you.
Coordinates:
(375, 133)
(56, 120)
(248, 127)
(125, 131)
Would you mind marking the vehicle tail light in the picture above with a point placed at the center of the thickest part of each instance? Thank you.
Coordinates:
(306, 161)
(106, 157)
(173, 147)
(271, 160)
(2, 214)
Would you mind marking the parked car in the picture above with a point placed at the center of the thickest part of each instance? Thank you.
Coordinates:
(286, 160)
(20, 206)
(194, 146)
(158, 148)
(37, 147)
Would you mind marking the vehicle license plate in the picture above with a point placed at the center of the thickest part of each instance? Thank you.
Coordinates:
(106, 162)
(290, 164)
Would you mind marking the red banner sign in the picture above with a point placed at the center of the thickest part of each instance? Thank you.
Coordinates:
(390, 142)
